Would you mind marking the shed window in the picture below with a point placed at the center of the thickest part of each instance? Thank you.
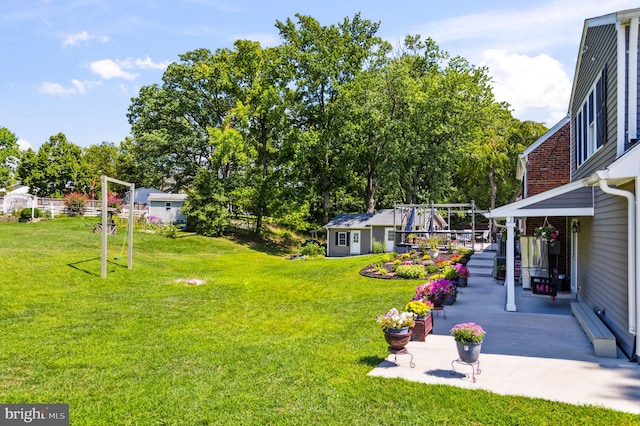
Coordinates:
(342, 239)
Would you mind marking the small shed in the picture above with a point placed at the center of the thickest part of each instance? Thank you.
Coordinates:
(167, 207)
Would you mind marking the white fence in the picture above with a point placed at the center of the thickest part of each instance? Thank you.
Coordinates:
(12, 204)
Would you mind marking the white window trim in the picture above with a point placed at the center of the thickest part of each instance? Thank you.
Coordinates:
(585, 149)
(342, 239)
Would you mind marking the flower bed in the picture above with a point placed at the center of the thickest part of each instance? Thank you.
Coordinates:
(410, 265)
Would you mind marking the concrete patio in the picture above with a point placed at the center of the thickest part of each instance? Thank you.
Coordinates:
(539, 351)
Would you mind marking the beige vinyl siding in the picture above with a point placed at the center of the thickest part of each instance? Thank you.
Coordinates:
(602, 270)
(601, 49)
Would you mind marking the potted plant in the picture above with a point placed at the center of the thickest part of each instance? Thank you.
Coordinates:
(547, 233)
(396, 327)
(424, 320)
(433, 243)
(463, 274)
(501, 271)
(436, 290)
(468, 337)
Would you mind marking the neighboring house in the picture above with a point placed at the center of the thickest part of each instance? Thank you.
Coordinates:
(16, 199)
(598, 205)
(167, 207)
(353, 234)
(142, 195)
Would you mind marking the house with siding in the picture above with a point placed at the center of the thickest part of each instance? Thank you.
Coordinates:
(598, 205)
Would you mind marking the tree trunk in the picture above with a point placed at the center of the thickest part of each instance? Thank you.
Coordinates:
(370, 201)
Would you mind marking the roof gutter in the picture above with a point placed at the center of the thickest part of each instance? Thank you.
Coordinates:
(600, 178)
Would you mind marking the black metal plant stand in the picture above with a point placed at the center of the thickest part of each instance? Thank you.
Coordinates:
(475, 368)
(437, 309)
(403, 351)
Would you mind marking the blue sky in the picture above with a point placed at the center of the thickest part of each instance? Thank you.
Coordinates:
(72, 66)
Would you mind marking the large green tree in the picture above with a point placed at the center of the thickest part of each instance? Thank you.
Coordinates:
(324, 60)
(9, 154)
(55, 169)
(329, 121)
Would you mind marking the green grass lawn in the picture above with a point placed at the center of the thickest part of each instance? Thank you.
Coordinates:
(265, 340)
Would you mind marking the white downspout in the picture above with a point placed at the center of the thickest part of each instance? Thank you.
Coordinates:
(632, 116)
(631, 256)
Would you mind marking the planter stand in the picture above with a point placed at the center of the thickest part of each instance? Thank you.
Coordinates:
(475, 368)
(403, 351)
(438, 309)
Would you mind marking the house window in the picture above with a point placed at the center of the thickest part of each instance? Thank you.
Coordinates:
(342, 238)
(591, 120)
(167, 206)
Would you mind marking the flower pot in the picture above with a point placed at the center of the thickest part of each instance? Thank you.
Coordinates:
(423, 327)
(397, 341)
(438, 300)
(468, 352)
(451, 298)
(403, 330)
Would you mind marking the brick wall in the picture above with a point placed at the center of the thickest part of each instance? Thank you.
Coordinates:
(548, 166)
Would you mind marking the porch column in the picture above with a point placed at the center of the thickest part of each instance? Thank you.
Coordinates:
(510, 272)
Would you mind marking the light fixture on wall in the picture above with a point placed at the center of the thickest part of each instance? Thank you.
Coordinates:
(575, 226)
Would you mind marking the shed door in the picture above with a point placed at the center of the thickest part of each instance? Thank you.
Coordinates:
(355, 242)
(389, 239)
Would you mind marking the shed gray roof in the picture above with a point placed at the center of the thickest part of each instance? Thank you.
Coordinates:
(357, 220)
(167, 197)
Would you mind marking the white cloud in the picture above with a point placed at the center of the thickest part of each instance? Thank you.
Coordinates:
(147, 63)
(24, 145)
(77, 88)
(108, 69)
(533, 86)
(74, 39)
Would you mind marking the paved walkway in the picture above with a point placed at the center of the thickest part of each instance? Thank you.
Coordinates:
(539, 351)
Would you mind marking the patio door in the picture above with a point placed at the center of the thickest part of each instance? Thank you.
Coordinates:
(355, 242)
(389, 239)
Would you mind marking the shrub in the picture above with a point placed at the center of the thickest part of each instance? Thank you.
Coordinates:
(381, 270)
(75, 203)
(312, 250)
(378, 247)
(395, 264)
(114, 201)
(432, 269)
(169, 231)
(405, 256)
(26, 213)
(389, 257)
(411, 271)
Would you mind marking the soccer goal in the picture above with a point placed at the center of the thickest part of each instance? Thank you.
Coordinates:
(105, 225)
